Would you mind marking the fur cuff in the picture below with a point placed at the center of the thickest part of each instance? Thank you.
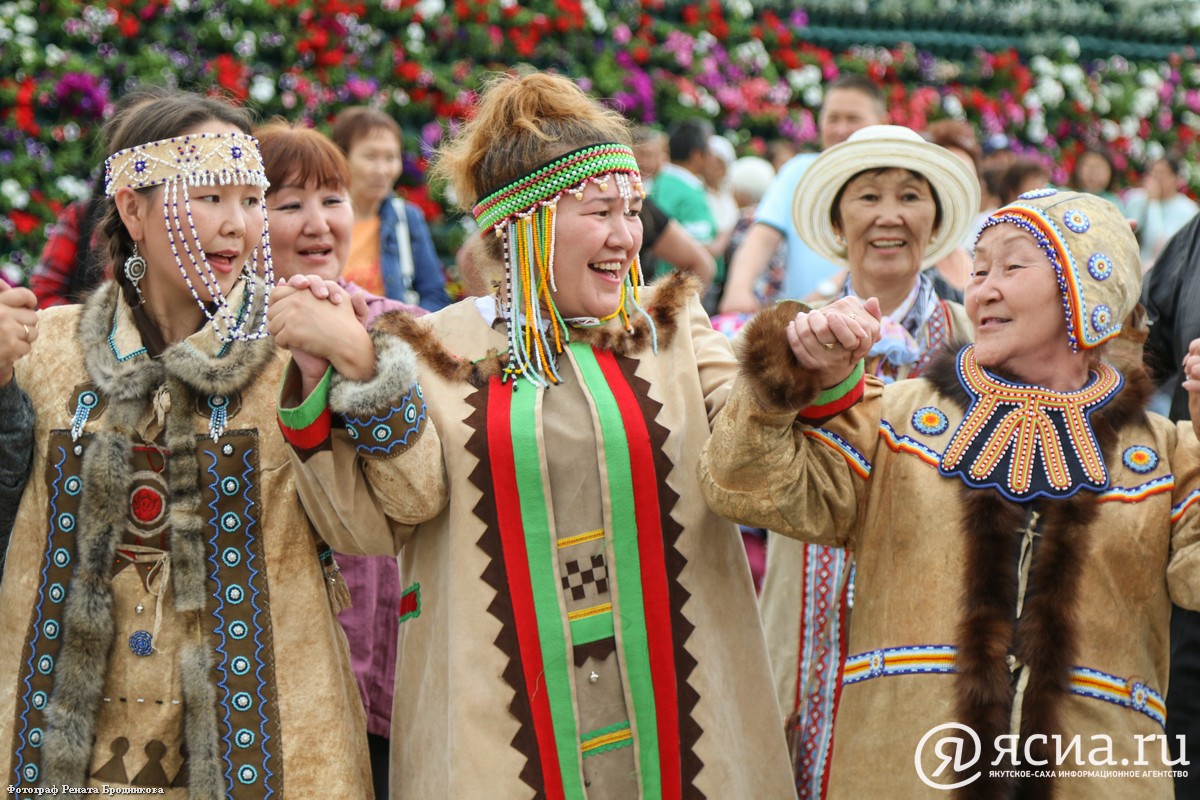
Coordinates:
(769, 367)
(395, 374)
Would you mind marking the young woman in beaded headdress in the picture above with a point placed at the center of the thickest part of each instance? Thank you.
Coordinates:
(1020, 524)
(169, 623)
(575, 622)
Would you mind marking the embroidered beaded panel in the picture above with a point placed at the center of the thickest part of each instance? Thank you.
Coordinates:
(44, 639)
(237, 614)
(241, 634)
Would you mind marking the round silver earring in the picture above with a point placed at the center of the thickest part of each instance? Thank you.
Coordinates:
(135, 270)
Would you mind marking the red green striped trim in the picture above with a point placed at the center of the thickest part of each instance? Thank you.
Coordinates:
(559, 783)
(307, 425)
(647, 640)
(835, 400)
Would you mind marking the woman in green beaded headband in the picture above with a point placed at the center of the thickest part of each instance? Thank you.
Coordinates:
(578, 622)
(561, 271)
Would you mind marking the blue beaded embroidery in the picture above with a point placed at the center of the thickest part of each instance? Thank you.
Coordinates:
(1100, 266)
(1077, 221)
(1101, 318)
(1036, 193)
(1140, 459)
(930, 421)
(141, 643)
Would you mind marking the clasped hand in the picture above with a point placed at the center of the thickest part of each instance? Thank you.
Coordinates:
(322, 325)
(831, 340)
(18, 327)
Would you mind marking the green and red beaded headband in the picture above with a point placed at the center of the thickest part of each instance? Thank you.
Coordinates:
(545, 184)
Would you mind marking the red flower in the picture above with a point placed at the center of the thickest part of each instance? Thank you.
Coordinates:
(23, 221)
(231, 75)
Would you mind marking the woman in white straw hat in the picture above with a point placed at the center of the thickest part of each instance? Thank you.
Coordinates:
(1020, 524)
(884, 204)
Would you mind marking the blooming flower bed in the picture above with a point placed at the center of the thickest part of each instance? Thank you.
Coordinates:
(755, 71)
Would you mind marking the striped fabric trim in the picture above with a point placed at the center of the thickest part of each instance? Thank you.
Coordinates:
(647, 638)
(1111, 689)
(590, 536)
(899, 661)
(593, 626)
(900, 443)
(939, 660)
(837, 399)
(855, 459)
(584, 613)
(1183, 505)
(544, 688)
(611, 737)
(1136, 494)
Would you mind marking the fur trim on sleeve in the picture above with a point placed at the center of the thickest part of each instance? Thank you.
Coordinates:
(395, 374)
(770, 368)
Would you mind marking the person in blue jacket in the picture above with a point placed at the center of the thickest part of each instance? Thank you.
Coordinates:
(391, 251)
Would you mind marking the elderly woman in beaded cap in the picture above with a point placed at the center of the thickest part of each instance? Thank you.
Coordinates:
(1020, 524)
(170, 610)
(576, 622)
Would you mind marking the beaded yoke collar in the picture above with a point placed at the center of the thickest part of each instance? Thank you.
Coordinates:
(1025, 441)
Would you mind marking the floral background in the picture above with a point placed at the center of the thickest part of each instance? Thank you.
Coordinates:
(1053, 87)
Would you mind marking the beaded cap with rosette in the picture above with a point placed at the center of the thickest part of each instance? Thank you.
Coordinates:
(1094, 254)
(522, 214)
(200, 159)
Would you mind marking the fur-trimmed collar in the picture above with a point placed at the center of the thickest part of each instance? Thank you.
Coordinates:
(1044, 640)
(670, 297)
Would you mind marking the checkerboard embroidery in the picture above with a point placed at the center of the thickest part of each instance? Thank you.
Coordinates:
(582, 573)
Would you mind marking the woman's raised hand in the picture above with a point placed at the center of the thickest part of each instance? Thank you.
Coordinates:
(831, 340)
(18, 327)
(1191, 382)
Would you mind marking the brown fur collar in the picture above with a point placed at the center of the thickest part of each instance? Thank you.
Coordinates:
(768, 364)
(1045, 638)
(670, 298)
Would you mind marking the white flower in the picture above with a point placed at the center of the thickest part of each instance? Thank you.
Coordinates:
(1109, 130)
(1129, 127)
(741, 8)
(430, 9)
(1050, 91)
(1150, 78)
(73, 187)
(813, 96)
(1035, 131)
(1144, 101)
(801, 79)
(1154, 150)
(262, 88)
(953, 106)
(25, 25)
(1070, 46)
(1041, 65)
(55, 55)
(16, 194)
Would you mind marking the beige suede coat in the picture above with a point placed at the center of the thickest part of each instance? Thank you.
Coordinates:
(579, 624)
(167, 622)
(1026, 620)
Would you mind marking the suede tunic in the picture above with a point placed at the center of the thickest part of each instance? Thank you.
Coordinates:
(1031, 620)
(576, 620)
(206, 664)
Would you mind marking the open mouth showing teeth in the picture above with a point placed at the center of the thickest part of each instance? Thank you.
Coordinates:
(219, 259)
(319, 252)
(888, 244)
(607, 266)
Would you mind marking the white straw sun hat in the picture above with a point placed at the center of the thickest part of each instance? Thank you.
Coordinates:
(885, 147)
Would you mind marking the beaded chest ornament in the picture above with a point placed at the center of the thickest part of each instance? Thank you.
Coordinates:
(522, 215)
(200, 159)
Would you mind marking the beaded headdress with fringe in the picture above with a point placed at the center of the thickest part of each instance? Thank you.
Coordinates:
(522, 214)
(200, 159)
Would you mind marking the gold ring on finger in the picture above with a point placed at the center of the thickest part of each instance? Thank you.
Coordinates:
(26, 327)
(827, 345)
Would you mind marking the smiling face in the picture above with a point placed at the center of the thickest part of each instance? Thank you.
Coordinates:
(226, 227)
(887, 218)
(1015, 305)
(596, 239)
(375, 166)
(310, 229)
